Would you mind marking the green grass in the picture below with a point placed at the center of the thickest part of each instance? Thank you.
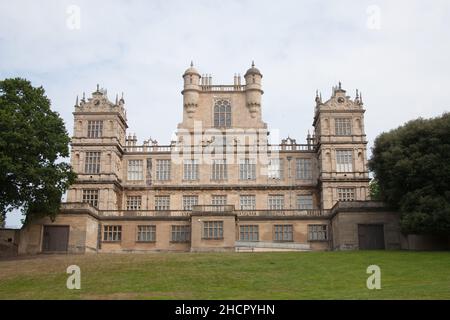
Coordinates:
(278, 275)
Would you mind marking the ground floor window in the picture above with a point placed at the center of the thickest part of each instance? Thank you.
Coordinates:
(213, 230)
(112, 233)
(146, 234)
(181, 233)
(317, 232)
(249, 233)
(283, 232)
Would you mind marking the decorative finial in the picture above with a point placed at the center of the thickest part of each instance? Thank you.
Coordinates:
(253, 63)
(192, 63)
(340, 85)
(98, 87)
(357, 94)
(117, 98)
(76, 102)
(84, 96)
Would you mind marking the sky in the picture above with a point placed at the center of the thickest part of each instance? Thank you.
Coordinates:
(395, 52)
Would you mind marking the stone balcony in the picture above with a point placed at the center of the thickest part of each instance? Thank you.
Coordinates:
(200, 148)
(75, 207)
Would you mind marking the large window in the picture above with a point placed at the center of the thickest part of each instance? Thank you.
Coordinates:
(92, 162)
(247, 169)
(146, 233)
(346, 194)
(343, 126)
(95, 129)
(163, 169)
(90, 196)
(219, 170)
(213, 230)
(189, 202)
(248, 202)
(134, 202)
(249, 233)
(344, 162)
(222, 114)
(162, 203)
(304, 202)
(304, 169)
(181, 233)
(275, 169)
(112, 233)
(190, 169)
(219, 200)
(283, 232)
(317, 232)
(275, 202)
(135, 170)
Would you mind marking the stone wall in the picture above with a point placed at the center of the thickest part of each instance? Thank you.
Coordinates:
(83, 233)
(9, 242)
(346, 216)
(425, 242)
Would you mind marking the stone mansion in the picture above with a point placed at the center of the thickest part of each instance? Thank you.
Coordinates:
(220, 186)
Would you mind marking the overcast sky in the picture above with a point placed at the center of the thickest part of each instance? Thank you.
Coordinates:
(396, 52)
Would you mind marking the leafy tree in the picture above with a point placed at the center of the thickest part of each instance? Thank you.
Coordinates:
(412, 167)
(374, 189)
(32, 139)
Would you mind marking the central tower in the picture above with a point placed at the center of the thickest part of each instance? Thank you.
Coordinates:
(230, 106)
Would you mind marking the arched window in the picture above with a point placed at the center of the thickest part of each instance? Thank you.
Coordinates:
(222, 114)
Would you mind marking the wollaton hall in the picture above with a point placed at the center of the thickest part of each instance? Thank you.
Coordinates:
(220, 185)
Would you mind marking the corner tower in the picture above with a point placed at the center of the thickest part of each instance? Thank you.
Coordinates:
(97, 150)
(341, 140)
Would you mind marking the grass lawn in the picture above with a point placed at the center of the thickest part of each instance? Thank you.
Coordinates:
(278, 275)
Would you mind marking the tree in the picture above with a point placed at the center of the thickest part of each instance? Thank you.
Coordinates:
(412, 167)
(374, 189)
(33, 138)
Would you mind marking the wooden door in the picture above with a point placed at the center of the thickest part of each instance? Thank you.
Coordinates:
(371, 236)
(56, 239)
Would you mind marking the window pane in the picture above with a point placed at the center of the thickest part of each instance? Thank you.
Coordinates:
(344, 161)
(135, 170)
(222, 113)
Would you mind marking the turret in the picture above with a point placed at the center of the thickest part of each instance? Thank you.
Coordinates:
(191, 90)
(97, 148)
(253, 90)
(341, 147)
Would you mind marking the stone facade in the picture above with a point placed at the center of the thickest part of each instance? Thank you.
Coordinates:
(220, 185)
